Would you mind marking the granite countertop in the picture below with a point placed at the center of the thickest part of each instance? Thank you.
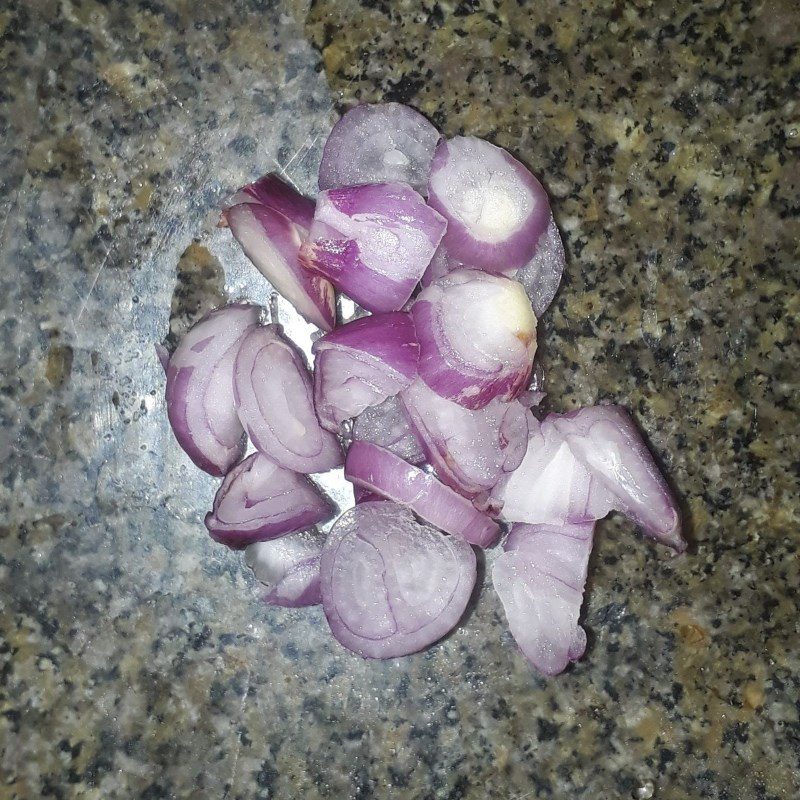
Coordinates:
(137, 660)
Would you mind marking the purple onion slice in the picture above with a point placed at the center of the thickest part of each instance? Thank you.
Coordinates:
(495, 208)
(362, 363)
(373, 242)
(388, 426)
(540, 580)
(381, 143)
(606, 441)
(391, 585)
(470, 450)
(289, 567)
(477, 337)
(383, 473)
(270, 221)
(199, 395)
(541, 276)
(259, 500)
(274, 399)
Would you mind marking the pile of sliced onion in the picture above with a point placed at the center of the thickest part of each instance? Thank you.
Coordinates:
(432, 397)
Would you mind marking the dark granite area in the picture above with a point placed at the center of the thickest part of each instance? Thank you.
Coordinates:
(136, 658)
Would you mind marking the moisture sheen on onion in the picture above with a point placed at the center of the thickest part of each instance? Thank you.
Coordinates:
(477, 337)
(391, 585)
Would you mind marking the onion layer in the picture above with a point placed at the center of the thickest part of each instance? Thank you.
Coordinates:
(495, 209)
(383, 473)
(270, 221)
(275, 404)
(259, 500)
(373, 242)
(289, 567)
(477, 337)
(390, 585)
(377, 144)
(541, 276)
(582, 465)
(200, 402)
(540, 580)
(362, 363)
(470, 450)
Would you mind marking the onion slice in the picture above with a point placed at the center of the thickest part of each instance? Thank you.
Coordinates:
(605, 439)
(540, 580)
(377, 144)
(270, 221)
(199, 395)
(373, 242)
(383, 473)
(289, 567)
(580, 466)
(470, 450)
(495, 209)
(390, 585)
(362, 363)
(259, 500)
(477, 337)
(388, 426)
(541, 276)
(274, 399)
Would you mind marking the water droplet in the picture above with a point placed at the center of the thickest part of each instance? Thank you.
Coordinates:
(645, 791)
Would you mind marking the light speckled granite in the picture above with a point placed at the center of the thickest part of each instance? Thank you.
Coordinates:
(136, 658)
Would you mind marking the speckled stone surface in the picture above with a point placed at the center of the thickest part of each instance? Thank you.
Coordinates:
(137, 660)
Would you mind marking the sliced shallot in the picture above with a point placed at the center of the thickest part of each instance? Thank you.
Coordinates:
(274, 399)
(373, 242)
(200, 402)
(391, 585)
(259, 500)
(270, 221)
(495, 208)
(606, 440)
(289, 567)
(387, 425)
(376, 144)
(470, 450)
(383, 473)
(477, 337)
(540, 580)
(541, 276)
(362, 363)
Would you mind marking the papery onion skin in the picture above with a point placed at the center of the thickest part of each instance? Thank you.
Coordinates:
(379, 143)
(373, 242)
(362, 363)
(270, 220)
(286, 502)
(390, 585)
(478, 187)
(540, 579)
(199, 392)
(457, 377)
(470, 450)
(274, 399)
(289, 567)
(383, 473)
